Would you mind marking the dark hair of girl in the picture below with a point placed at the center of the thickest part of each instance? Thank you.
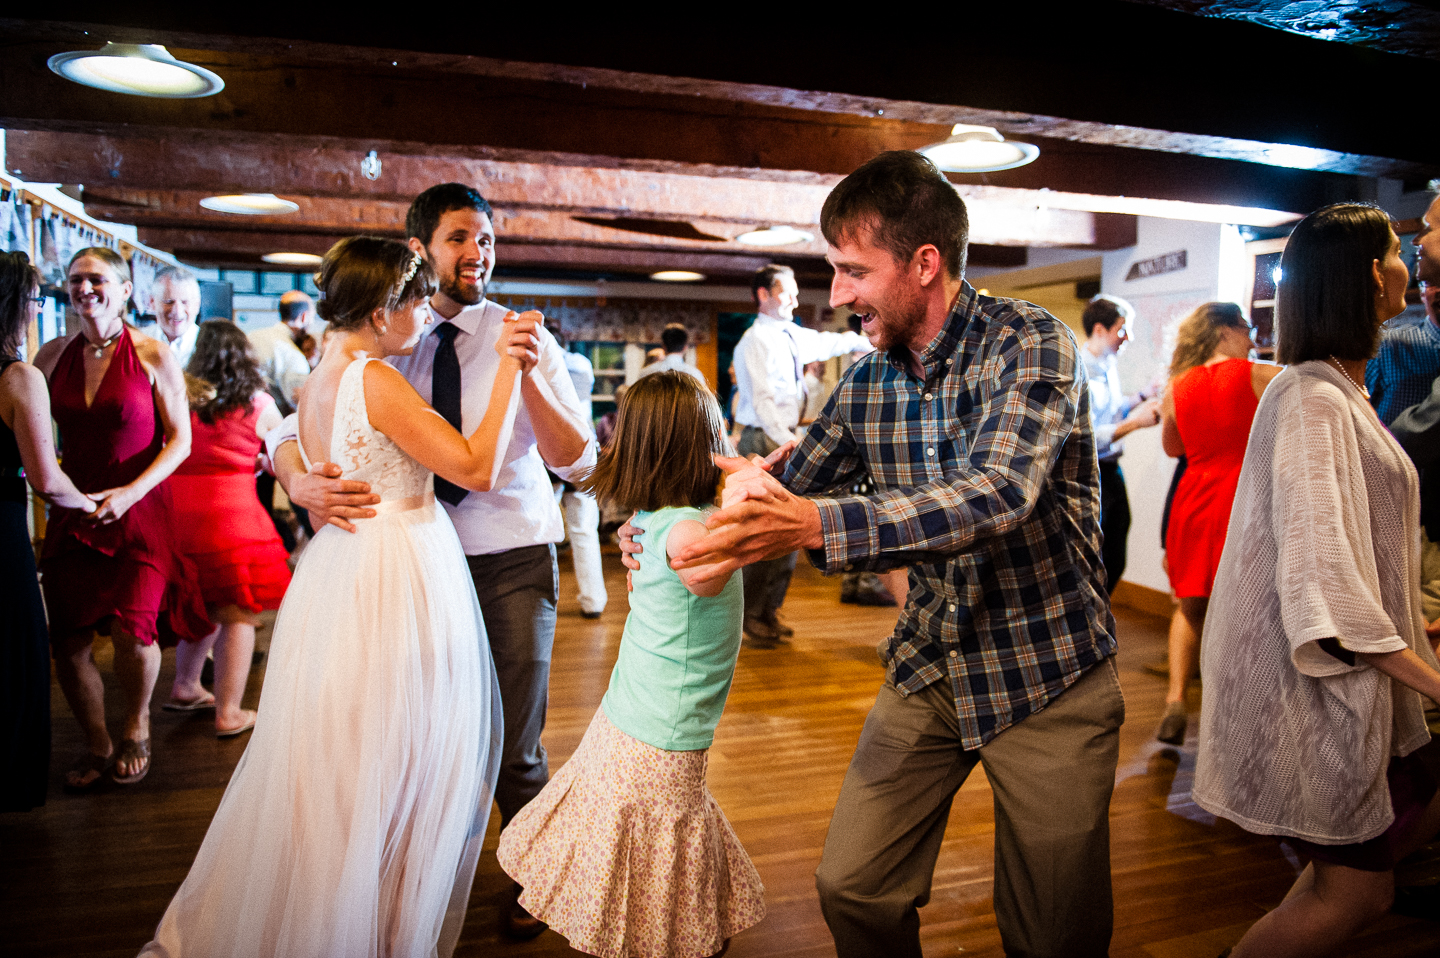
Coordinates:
(361, 274)
(667, 430)
(18, 281)
(1325, 303)
(224, 362)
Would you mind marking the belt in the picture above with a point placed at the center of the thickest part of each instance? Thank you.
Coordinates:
(391, 507)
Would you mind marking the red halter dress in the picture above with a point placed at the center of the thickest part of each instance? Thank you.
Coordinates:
(128, 569)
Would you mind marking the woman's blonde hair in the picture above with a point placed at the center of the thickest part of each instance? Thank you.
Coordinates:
(666, 434)
(1199, 334)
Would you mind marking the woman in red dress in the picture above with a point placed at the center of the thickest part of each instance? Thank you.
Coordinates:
(1205, 416)
(119, 400)
(223, 527)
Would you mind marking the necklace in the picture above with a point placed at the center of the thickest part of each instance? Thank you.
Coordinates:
(100, 347)
(1363, 391)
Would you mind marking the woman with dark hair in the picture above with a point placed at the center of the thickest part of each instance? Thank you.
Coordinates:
(353, 823)
(119, 400)
(1205, 416)
(223, 528)
(1315, 664)
(26, 449)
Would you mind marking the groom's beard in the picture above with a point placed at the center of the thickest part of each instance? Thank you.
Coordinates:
(460, 291)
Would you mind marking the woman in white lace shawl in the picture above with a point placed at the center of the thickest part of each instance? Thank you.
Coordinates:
(1315, 665)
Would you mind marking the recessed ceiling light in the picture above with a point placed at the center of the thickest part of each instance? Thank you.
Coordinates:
(678, 276)
(249, 204)
(293, 259)
(979, 149)
(775, 236)
(140, 69)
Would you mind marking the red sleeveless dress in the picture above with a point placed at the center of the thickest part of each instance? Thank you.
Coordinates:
(130, 568)
(223, 527)
(1214, 407)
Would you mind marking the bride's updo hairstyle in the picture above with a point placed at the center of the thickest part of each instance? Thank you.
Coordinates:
(361, 274)
(668, 429)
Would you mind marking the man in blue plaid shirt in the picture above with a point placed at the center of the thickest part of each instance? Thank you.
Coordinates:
(972, 419)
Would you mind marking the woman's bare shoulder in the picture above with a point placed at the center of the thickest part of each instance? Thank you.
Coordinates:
(49, 353)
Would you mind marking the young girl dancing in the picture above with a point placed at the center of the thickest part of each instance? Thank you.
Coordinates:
(625, 852)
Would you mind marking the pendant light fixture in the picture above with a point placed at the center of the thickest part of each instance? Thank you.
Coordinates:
(307, 260)
(140, 69)
(979, 149)
(775, 236)
(250, 204)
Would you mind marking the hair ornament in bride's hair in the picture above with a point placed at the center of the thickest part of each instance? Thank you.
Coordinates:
(411, 270)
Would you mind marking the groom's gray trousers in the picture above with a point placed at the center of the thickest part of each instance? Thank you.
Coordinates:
(518, 590)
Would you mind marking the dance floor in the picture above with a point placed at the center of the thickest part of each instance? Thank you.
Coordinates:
(90, 876)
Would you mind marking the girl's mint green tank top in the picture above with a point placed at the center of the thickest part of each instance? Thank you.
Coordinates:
(677, 655)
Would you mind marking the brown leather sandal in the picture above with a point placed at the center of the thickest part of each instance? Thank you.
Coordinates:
(130, 752)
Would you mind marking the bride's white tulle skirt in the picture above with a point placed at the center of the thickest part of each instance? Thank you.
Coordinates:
(354, 820)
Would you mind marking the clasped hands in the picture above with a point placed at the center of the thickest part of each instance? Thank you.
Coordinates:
(759, 519)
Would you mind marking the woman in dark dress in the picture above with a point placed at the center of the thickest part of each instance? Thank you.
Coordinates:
(119, 400)
(25, 446)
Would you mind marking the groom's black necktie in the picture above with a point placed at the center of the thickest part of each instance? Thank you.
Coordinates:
(445, 397)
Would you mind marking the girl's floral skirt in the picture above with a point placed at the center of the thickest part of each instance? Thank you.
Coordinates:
(626, 853)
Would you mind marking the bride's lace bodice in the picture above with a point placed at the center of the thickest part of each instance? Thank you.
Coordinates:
(364, 453)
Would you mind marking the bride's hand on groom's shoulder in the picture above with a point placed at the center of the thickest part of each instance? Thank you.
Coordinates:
(330, 499)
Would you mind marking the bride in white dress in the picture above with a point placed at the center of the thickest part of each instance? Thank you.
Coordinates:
(354, 820)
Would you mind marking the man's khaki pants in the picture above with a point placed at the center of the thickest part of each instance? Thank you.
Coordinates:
(1052, 774)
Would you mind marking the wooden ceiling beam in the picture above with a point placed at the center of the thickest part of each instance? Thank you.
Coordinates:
(418, 113)
(1057, 83)
(321, 222)
(244, 249)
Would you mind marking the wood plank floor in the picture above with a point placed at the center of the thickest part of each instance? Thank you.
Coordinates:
(90, 876)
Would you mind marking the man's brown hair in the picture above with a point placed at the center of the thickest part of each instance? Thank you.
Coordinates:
(668, 429)
(907, 202)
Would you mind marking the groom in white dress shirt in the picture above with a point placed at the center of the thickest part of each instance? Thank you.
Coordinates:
(508, 533)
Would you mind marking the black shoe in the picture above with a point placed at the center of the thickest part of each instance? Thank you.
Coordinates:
(1172, 726)
(517, 923)
(759, 634)
(781, 630)
(590, 615)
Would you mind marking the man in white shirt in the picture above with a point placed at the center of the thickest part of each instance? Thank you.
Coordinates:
(770, 395)
(674, 338)
(284, 365)
(581, 511)
(176, 295)
(508, 533)
(1114, 415)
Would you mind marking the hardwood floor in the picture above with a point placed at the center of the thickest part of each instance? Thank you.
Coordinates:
(90, 876)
